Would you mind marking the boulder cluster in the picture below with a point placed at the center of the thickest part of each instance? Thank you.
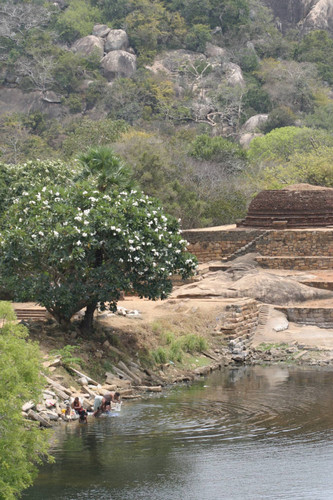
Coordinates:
(112, 47)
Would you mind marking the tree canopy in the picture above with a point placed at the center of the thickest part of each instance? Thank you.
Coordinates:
(280, 144)
(74, 247)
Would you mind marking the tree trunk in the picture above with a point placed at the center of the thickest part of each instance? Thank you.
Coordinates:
(63, 321)
(86, 325)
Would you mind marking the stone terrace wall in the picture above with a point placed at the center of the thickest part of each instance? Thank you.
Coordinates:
(318, 316)
(297, 243)
(280, 249)
(297, 263)
(215, 244)
(239, 320)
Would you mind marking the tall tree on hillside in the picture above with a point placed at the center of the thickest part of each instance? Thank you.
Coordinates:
(104, 165)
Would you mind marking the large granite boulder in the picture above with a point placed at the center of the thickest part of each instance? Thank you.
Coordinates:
(101, 30)
(118, 63)
(308, 14)
(254, 123)
(116, 40)
(253, 283)
(277, 290)
(320, 17)
(246, 139)
(215, 51)
(89, 45)
(15, 100)
(233, 74)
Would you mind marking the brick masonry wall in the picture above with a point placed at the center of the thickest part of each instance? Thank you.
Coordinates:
(297, 243)
(279, 249)
(296, 263)
(215, 244)
(238, 320)
(318, 316)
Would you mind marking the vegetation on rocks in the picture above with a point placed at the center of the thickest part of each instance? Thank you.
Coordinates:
(202, 71)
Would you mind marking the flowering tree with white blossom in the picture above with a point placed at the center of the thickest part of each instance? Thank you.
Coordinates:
(74, 247)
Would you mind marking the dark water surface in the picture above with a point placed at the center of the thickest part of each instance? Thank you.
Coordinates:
(251, 433)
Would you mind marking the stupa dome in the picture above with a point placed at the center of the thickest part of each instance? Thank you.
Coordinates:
(300, 205)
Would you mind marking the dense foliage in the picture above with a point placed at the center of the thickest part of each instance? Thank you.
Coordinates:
(22, 444)
(178, 120)
(74, 247)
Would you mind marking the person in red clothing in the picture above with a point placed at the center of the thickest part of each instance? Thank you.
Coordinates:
(77, 406)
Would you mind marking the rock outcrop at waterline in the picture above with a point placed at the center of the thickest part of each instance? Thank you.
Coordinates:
(58, 395)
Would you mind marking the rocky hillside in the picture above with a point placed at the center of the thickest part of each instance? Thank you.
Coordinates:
(179, 93)
(307, 15)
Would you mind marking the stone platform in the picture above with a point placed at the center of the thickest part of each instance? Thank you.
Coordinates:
(298, 249)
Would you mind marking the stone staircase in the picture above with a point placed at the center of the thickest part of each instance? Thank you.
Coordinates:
(27, 314)
(249, 247)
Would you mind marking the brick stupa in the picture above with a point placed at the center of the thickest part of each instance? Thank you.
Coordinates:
(297, 206)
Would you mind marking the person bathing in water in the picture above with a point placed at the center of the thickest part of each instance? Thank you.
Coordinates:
(103, 404)
(77, 406)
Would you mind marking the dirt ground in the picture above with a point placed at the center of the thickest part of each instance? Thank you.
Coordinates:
(308, 336)
(141, 314)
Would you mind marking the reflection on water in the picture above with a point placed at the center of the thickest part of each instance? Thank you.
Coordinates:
(248, 433)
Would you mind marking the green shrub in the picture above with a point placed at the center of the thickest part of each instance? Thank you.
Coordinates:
(67, 355)
(192, 343)
(176, 352)
(74, 103)
(197, 37)
(77, 20)
(279, 117)
(160, 355)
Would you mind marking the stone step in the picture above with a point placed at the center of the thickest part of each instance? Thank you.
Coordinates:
(218, 267)
(298, 263)
(324, 285)
(32, 314)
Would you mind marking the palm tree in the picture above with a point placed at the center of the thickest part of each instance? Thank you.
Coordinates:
(109, 169)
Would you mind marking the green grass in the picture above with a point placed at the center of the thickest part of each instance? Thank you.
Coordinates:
(174, 349)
